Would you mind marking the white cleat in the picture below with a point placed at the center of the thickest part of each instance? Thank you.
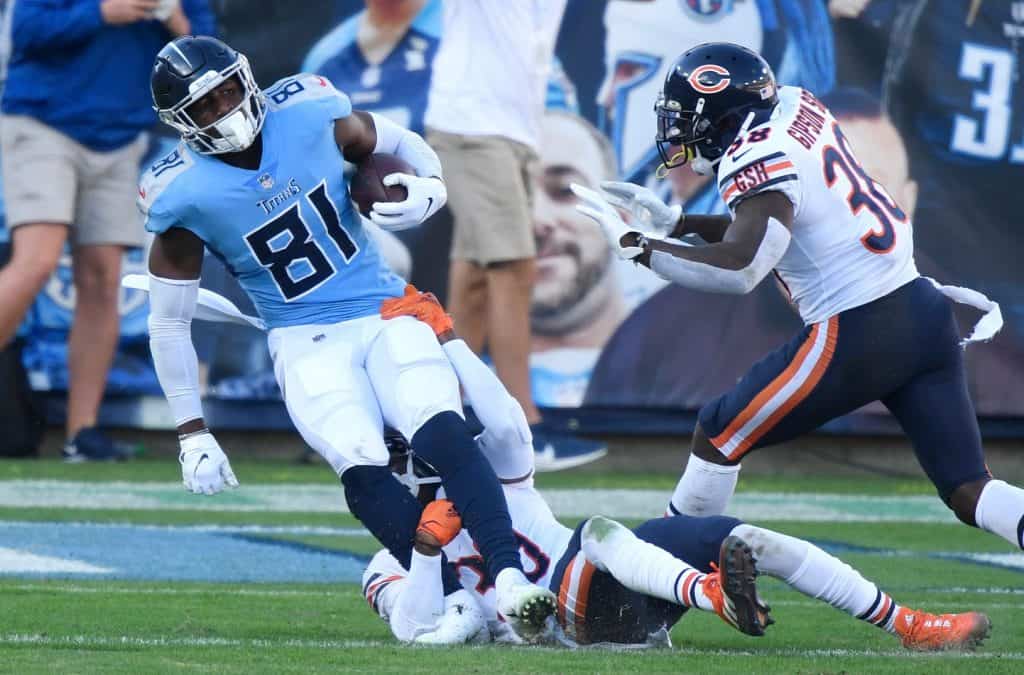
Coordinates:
(461, 623)
(527, 607)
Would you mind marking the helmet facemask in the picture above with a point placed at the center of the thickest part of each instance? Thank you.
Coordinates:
(233, 132)
(703, 141)
(688, 130)
(418, 476)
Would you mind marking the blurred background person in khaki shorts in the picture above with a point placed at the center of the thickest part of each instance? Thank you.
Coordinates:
(483, 119)
(75, 104)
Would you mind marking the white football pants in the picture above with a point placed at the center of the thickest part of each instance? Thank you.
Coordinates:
(341, 381)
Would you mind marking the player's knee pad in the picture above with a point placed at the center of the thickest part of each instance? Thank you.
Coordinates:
(415, 380)
(601, 538)
(445, 442)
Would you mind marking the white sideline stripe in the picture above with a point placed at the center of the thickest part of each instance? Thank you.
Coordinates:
(328, 498)
(160, 641)
(312, 530)
(13, 561)
(133, 641)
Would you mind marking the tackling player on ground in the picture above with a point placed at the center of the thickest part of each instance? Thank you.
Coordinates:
(803, 207)
(614, 585)
(258, 181)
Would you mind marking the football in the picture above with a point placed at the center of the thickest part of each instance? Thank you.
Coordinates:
(366, 185)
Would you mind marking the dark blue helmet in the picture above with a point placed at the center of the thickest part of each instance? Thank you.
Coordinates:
(711, 93)
(186, 69)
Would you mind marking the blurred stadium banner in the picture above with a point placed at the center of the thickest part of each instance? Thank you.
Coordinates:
(928, 92)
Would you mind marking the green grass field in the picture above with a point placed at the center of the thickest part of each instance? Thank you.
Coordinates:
(92, 623)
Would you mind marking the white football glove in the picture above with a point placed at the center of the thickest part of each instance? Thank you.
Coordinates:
(425, 197)
(644, 205)
(204, 466)
(593, 204)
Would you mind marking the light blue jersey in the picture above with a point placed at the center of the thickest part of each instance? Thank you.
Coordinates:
(287, 230)
(398, 86)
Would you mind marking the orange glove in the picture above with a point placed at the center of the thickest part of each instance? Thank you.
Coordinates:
(422, 306)
(441, 521)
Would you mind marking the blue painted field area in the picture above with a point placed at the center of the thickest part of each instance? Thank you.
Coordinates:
(99, 551)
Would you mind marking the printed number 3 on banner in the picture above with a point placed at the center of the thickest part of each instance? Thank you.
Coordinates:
(987, 138)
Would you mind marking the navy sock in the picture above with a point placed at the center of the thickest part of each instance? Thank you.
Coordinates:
(470, 483)
(389, 511)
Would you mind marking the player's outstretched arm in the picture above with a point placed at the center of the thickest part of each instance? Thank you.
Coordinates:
(670, 221)
(362, 134)
(751, 247)
(174, 264)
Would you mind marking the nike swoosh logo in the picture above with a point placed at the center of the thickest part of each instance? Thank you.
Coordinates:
(201, 460)
(430, 203)
(745, 152)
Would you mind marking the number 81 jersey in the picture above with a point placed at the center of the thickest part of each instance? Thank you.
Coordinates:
(287, 230)
(851, 242)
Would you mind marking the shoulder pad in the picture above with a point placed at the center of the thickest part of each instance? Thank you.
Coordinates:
(304, 88)
(160, 174)
(758, 164)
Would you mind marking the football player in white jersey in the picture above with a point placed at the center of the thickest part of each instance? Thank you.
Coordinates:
(802, 206)
(614, 585)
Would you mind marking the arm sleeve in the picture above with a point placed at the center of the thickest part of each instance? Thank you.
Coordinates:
(38, 25)
(200, 17)
(408, 145)
(507, 441)
(172, 304)
(704, 277)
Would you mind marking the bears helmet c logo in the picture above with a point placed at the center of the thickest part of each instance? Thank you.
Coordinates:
(709, 78)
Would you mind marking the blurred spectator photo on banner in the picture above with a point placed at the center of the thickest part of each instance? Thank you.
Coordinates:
(577, 297)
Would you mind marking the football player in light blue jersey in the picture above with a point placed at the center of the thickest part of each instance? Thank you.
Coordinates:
(258, 180)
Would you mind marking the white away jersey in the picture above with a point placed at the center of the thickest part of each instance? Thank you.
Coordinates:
(851, 243)
(542, 542)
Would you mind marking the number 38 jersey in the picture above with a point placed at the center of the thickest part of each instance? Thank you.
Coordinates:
(287, 230)
(851, 242)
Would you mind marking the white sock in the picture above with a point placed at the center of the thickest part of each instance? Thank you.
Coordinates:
(813, 572)
(704, 488)
(510, 576)
(421, 604)
(641, 566)
(1000, 510)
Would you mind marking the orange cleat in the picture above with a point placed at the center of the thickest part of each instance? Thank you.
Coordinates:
(441, 521)
(925, 632)
(732, 589)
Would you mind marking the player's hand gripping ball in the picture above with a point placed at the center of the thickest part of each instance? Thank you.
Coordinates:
(441, 521)
(367, 183)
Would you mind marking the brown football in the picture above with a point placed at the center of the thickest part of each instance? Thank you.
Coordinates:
(366, 186)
